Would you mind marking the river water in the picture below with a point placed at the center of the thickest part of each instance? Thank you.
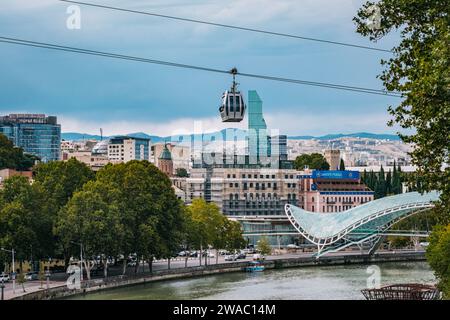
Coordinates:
(328, 282)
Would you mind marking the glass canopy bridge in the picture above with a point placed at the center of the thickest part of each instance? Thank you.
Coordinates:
(365, 224)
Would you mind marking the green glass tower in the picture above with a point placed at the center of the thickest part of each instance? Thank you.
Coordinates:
(258, 148)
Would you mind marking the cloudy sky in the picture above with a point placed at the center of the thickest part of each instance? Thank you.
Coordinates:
(88, 93)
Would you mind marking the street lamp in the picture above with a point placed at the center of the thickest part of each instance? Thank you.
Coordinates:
(81, 258)
(13, 266)
(2, 287)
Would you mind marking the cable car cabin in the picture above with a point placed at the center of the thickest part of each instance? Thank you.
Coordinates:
(233, 106)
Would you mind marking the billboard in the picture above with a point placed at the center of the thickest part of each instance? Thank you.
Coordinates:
(335, 174)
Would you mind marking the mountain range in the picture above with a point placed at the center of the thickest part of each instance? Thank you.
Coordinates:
(75, 136)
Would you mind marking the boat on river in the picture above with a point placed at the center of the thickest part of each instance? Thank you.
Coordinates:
(254, 266)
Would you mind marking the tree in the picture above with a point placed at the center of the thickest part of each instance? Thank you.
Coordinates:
(389, 182)
(264, 246)
(181, 172)
(208, 223)
(14, 158)
(92, 217)
(419, 69)
(59, 181)
(314, 161)
(438, 256)
(24, 223)
(342, 165)
(380, 185)
(150, 211)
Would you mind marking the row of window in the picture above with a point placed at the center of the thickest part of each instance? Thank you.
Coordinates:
(346, 199)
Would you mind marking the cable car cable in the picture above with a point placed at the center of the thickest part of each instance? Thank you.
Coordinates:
(44, 45)
(273, 33)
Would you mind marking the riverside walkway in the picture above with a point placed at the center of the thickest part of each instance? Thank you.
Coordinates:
(58, 287)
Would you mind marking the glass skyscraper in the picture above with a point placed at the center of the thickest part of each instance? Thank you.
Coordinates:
(36, 134)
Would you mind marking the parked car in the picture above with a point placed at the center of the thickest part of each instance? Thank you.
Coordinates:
(292, 246)
(211, 255)
(258, 257)
(182, 254)
(194, 254)
(32, 276)
(230, 257)
(241, 255)
(4, 277)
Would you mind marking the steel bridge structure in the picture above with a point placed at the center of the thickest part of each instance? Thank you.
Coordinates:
(365, 224)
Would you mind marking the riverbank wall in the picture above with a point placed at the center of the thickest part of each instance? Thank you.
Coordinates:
(181, 273)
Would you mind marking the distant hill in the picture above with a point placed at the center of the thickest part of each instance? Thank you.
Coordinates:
(365, 135)
(74, 136)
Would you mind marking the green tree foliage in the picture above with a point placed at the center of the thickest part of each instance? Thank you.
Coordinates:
(314, 161)
(92, 217)
(438, 256)
(181, 172)
(24, 223)
(342, 165)
(14, 158)
(61, 179)
(208, 224)
(419, 69)
(384, 184)
(150, 216)
(264, 246)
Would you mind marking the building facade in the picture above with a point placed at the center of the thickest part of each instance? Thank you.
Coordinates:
(124, 149)
(36, 134)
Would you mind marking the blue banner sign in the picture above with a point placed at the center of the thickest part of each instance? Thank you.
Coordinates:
(335, 174)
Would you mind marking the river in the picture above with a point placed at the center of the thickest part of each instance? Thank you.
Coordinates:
(324, 282)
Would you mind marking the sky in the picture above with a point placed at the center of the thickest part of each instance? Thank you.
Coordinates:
(88, 93)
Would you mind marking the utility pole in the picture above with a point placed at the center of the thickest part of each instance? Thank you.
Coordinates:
(13, 267)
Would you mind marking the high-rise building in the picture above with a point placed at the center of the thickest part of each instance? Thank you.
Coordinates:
(124, 149)
(36, 134)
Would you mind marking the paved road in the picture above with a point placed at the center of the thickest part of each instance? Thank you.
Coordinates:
(59, 279)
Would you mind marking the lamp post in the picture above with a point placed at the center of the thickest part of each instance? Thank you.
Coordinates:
(81, 258)
(13, 266)
(47, 276)
(2, 287)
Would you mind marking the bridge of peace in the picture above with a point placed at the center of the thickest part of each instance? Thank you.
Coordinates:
(367, 223)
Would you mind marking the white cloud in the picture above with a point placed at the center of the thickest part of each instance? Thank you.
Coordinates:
(285, 123)
(171, 127)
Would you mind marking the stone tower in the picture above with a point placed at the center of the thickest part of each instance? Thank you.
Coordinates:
(165, 162)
